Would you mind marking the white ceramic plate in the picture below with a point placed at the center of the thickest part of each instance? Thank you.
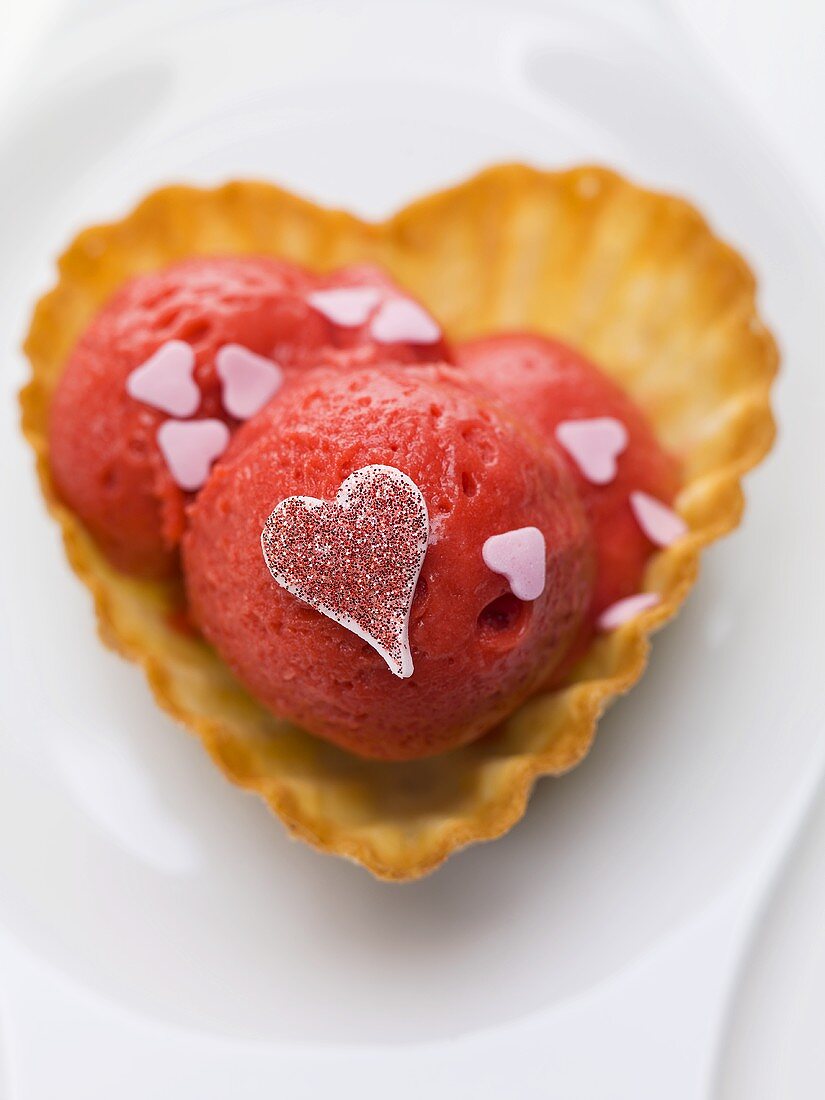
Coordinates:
(773, 1047)
(151, 912)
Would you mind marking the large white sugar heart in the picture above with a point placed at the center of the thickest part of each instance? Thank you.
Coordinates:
(520, 556)
(355, 559)
(165, 380)
(190, 447)
(594, 445)
(248, 380)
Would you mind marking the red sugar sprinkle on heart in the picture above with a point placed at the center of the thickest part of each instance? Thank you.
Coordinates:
(355, 559)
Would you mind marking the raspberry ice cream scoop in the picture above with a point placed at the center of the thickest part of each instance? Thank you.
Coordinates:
(207, 338)
(342, 476)
(604, 437)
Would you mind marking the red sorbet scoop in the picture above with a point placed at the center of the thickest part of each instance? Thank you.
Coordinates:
(206, 339)
(476, 650)
(609, 445)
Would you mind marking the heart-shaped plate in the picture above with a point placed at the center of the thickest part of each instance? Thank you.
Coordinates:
(635, 279)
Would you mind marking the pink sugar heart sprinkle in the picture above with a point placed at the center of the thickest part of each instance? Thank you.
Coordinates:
(190, 447)
(165, 380)
(347, 307)
(403, 321)
(520, 556)
(660, 523)
(624, 610)
(248, 380)
(594, 445)
(355, 559)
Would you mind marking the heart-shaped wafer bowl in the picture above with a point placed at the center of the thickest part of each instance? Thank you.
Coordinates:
(635, 279)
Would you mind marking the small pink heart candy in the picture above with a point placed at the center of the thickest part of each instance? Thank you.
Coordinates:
(165, 380)
(660, 523)
(347, 307)
(190, 447)
(403, 321)
(519, 556)
(624, 610)
(248, 380)
(594, 445)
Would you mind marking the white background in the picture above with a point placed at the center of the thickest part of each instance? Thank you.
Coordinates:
(772, 53)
